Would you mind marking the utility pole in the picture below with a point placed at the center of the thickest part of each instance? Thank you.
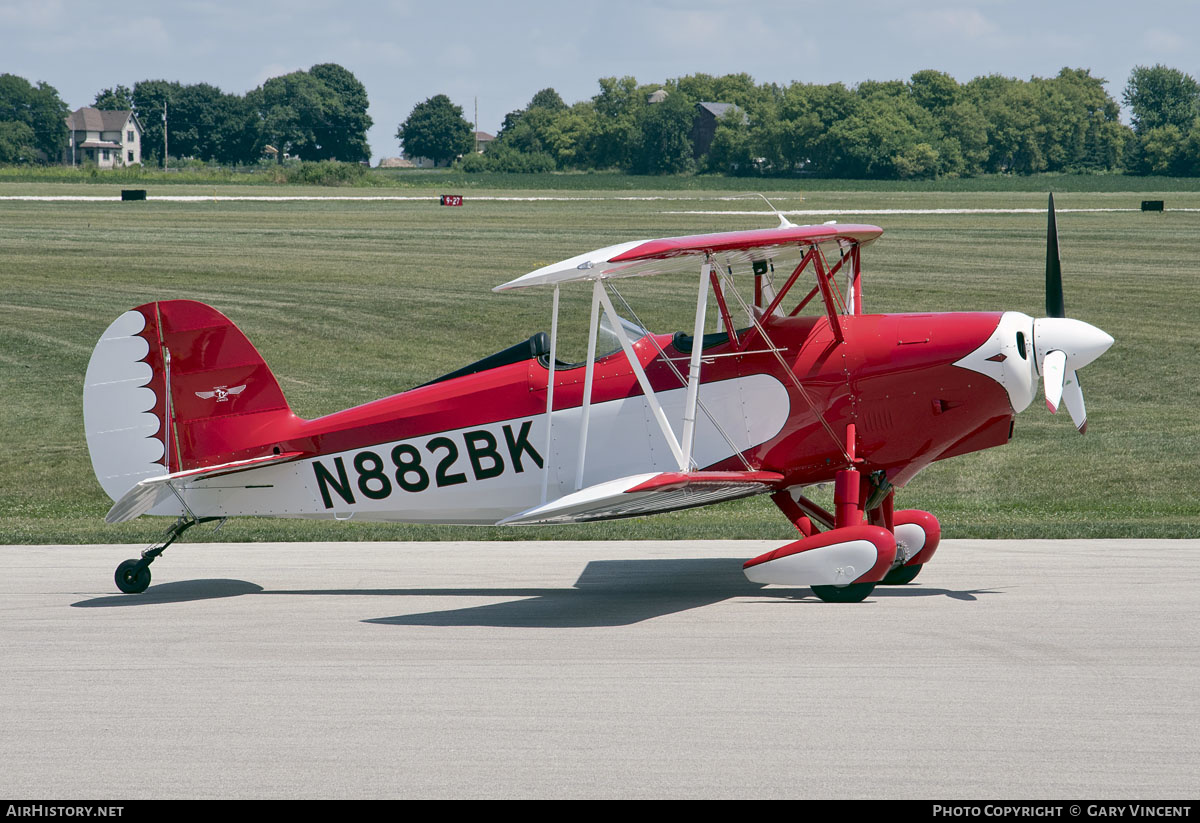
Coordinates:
(164, 135)
(477, 124)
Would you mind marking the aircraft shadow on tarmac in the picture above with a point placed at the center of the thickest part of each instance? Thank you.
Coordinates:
(182, 592)
(607, 593)
(616, 593)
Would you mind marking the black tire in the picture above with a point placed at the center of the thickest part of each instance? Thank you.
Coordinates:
(902, 575)
(854, 593)
(131, 581)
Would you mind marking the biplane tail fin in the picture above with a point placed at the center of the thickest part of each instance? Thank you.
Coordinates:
(174, 386)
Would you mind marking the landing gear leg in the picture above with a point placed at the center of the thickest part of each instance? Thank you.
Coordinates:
(133, 576)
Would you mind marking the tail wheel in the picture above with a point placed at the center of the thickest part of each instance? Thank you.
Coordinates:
(854, 593)
(130, 579)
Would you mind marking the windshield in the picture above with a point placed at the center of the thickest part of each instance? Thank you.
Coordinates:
(607, 341)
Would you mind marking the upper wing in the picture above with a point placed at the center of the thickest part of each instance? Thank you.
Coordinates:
(647, 494)
(671, 254)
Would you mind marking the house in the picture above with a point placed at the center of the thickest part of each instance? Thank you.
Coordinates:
(424, 162)
(482, 140)
(110, 139)
(704, 127)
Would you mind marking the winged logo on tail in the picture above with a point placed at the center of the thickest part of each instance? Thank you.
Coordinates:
(222, 393)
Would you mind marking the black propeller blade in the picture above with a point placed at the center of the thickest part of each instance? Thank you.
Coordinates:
(1054, 289)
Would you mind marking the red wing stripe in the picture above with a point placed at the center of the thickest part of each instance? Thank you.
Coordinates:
(679, 480)
(729, 241)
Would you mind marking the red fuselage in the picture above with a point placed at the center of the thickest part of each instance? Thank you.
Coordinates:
(893, 377)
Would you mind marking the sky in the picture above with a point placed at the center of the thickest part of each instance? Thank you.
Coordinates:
(501, 53)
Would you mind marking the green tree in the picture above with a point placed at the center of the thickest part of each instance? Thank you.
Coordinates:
(503, 158)
(1161, 96)
(934, 91)
(533, 133)
(615, 138)
(1161, 150)
(963, 139)
(548, 126)
(290, 109)
(732, 149)
(1188, 162)
(151, 99)
(1164, 104)
(41, 110)
(118, 98)
(547, 98)
(1088, 127)
(1062, 123)
(887, 136)
(17, 143)
(801, 138)
(341, 133)
(234, 137)
(917, 160)
(202, 122)
(666, 143)
(193, 120)
(436, 129)
(1017, 123)
(319, 114)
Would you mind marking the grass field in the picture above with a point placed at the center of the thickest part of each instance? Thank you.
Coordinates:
(353, 300)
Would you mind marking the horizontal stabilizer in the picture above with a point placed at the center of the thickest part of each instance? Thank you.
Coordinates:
(647, 494)
(150, 492)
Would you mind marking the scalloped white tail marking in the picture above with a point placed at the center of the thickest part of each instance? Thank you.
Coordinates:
(123, 432)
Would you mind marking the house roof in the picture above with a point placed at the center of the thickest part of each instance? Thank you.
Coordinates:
(91, 119)
(483, 136)
(718, 110)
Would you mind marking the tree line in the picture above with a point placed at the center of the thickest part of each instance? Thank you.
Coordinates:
(319, 114)
(927, 126)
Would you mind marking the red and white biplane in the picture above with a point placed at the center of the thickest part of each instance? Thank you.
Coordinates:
(184, 419)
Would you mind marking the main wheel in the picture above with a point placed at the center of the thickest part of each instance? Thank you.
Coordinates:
(130, 580)
(854, 593)
(902, 575)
